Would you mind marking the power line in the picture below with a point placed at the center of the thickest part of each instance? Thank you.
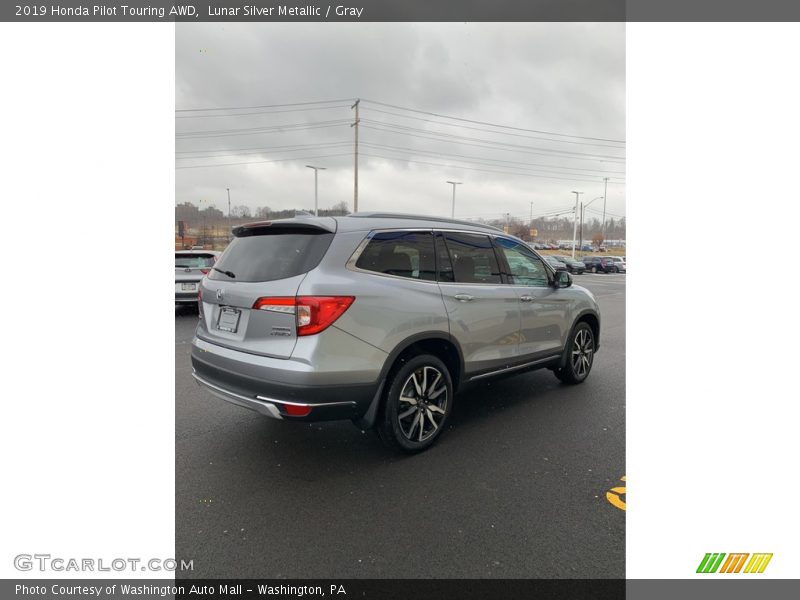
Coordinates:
(296, 148)
(533, 137)
(283, 129)
(255, 162)
(443, 154)
(263, 112)
(262, 106)
(235, 150)
(488, 164)
(476, 169)
(262, 129)
(450, 136)
(433, 114)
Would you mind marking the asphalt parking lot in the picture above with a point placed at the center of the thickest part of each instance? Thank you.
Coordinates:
(516, 488)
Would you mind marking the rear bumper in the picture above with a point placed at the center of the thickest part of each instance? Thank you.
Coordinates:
(272, 388)
(185, 297)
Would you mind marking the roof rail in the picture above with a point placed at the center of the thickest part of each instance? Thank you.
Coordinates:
(382, 215)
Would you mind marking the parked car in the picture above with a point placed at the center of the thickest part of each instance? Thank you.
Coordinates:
(381, 319)
(587, 248)
(190, 268)
(573, 265)
(599, 264)
(557, 264)
(619, 262)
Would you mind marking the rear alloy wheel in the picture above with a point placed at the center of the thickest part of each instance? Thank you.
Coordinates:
(594, 269)
(417, 404)
(580, 355)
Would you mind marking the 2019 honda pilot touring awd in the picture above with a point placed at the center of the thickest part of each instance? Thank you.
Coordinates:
(381, 318)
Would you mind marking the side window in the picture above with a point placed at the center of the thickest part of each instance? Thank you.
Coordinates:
(525, 267)
(473, 258)
(400, 253)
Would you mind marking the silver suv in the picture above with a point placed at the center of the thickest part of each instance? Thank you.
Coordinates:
(381, 318)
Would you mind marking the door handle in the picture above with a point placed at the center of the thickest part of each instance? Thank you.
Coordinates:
(464, 297)
(526, 298)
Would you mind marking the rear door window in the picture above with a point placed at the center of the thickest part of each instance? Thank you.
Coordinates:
(473, 258)
(400, 253)
(279, 254)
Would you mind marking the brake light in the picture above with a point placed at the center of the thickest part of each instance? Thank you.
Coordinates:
(313, 314)
(317, 313)
(204, 271)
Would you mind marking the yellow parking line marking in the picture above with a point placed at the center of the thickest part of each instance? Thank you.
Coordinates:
(613, 495)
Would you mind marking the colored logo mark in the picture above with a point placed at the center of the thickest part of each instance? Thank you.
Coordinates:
(713, 563)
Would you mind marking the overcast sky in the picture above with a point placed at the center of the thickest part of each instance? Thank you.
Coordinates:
(567, 80)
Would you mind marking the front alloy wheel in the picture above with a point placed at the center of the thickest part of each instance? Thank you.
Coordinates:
(417, 404)
(580, 355)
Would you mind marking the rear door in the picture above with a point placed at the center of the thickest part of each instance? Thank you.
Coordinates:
(248, 298)
(483, 312)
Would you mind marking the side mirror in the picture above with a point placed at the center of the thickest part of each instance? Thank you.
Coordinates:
(563, 279)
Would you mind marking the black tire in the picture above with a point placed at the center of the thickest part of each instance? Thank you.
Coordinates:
(419, 380)
(580, 355)
(594, 269)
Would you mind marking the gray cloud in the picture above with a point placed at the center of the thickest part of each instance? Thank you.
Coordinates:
(565, 78)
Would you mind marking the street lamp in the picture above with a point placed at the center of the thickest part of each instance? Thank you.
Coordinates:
(453, 211)
(583, 208)
(575, 223)
(316, 205)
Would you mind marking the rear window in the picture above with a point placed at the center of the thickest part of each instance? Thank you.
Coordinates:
(193, 261)
(276, 255)
(400, 253)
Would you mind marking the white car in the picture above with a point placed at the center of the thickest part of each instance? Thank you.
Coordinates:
(619, 262)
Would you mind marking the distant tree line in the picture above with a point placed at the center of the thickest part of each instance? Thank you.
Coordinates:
(210, 216)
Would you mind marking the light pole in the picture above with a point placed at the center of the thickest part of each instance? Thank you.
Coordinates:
(316, 203)
(575, 223)
(583, 208)
(453, 210)
(229, 214)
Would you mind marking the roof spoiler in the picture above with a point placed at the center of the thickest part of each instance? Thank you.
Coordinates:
(306, 225)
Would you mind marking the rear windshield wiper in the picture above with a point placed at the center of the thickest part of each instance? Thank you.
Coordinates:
(228, 273)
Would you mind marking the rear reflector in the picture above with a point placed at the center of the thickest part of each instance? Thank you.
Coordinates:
(313, 314)
(297, 411)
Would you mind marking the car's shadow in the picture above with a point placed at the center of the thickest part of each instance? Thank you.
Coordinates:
(318, 451)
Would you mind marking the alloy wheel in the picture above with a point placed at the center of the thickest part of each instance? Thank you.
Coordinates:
(423, 404)
(582, 352)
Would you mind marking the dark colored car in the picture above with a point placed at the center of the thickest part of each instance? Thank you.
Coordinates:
(599, 264)
(573, 264)
(555, 263)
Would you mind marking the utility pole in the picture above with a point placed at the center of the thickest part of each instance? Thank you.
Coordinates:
(530, 225)
(605, 189)
(580, 238)
(316, 200)
(453, 209)
(575, 223)
(355, 167)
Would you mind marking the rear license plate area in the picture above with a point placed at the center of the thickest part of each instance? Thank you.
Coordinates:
(228, 319)
(189, 287)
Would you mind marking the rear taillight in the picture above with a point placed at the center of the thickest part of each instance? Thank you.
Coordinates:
(297, 410)
(204, 271)
(313, 314)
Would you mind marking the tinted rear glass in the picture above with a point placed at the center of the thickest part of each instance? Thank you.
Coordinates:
(193, 261)
(272, 256)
